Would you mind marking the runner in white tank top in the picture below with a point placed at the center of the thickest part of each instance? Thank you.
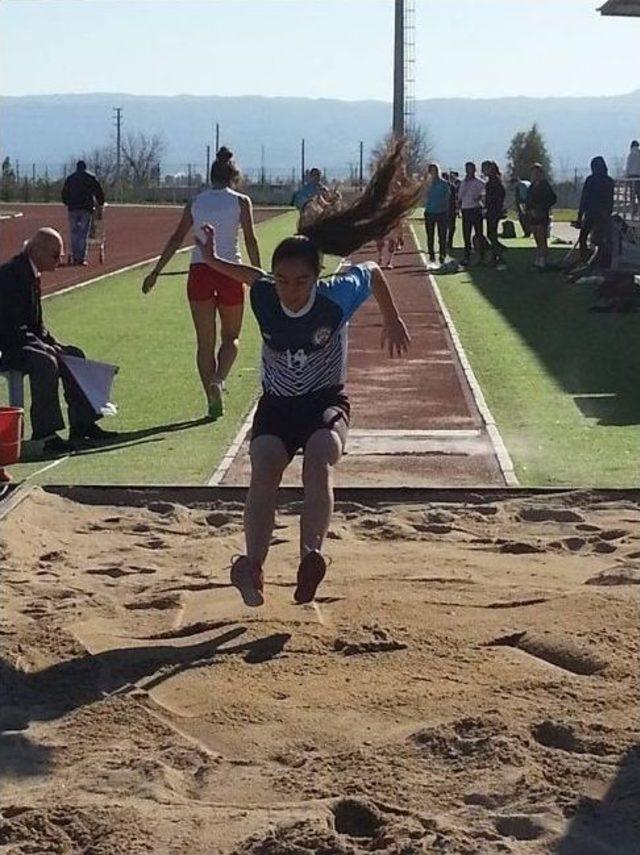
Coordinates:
(210, 292)
(221, 208)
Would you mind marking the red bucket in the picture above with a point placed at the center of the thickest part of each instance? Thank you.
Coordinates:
(10, 434)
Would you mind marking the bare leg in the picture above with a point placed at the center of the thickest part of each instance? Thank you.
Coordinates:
(203, 313)
(269, 459)
(322, 452)
(230, 324)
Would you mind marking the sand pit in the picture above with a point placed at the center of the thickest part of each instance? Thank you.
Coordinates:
(465, 683)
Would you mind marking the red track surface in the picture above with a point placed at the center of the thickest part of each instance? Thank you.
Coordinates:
(133, 233)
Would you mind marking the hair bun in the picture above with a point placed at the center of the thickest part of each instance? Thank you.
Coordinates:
(224, 154)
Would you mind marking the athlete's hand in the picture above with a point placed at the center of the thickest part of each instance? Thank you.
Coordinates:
(395, 337)
(149, 282)
(208, 245)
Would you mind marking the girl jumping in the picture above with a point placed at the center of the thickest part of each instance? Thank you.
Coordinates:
(303, 322)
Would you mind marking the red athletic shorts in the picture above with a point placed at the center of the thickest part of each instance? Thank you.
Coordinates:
(206, 284)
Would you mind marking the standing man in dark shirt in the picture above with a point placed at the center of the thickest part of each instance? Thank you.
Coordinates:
(27, 345)
(81, 193)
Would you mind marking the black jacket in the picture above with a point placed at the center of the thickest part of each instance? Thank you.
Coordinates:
(82, 191)
(20, 310)
(597, 197)
(494, 198)
(541, 198)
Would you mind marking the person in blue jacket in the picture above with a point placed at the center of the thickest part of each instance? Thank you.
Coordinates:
(437, 203)
(303, 323)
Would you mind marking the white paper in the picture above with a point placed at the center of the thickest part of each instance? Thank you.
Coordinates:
(95, 380)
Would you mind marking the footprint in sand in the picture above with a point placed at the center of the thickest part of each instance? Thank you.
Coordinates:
(613, 534)
(563, 737)
(139, 568)
(216, 519)
(379, 640)
(622, 574)
(153, 543)
(561, 652)
(519, 826)
(519, 547)
(604, 547)
(54, 557)
(167, 601)
(163, 508)
(573, 544)
(113, 571)
(550, 515)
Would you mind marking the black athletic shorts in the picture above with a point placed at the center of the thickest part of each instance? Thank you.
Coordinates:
(294, 419)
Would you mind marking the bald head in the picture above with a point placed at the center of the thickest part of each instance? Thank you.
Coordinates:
(45, 249)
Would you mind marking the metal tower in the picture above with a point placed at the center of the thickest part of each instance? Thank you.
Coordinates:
(404, 67)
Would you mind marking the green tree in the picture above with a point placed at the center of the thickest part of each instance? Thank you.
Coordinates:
(527, 148)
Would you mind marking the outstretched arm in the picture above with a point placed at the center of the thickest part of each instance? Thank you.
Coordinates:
(239, 272)
(173, 244)
(395, 335)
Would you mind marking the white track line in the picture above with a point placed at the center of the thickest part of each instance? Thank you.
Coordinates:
(504, 459)
(107, 275)
(231, 453)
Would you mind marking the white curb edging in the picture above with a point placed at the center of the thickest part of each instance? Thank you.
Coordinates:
(504, 458)
(231, 453)
(107, 275)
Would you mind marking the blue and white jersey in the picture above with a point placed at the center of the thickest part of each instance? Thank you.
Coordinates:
(306, 351)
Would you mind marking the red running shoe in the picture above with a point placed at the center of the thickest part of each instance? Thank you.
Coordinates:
(249, 580)
(310, 573)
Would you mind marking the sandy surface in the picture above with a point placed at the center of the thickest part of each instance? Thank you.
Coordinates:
(466, 682)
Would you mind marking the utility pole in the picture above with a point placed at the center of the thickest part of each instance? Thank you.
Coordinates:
(302, 161)
(118, 120)
(360, 176)
(263, 177)
(217, 137)
(206, 180)
(398, 71)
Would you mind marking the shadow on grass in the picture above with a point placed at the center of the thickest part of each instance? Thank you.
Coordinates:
(123, 439)
(611, 825)
(594, 357)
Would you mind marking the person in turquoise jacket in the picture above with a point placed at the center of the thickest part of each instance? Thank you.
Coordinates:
(436, 212)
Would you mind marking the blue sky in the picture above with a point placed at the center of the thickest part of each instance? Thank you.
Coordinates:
(315, 48)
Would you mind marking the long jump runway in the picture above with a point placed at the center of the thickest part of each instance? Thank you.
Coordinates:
(416, 421)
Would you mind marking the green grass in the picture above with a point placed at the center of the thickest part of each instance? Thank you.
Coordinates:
(157, 390)
(561, 382)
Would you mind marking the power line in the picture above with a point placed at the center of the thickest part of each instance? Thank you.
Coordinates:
(118, 122)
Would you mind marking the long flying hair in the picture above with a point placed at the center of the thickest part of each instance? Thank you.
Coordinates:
(390, 193)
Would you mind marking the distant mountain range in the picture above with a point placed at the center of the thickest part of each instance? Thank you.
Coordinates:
(49, 129)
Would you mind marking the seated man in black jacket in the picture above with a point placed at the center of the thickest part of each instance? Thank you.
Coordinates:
(81, 193)
(26, 345)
